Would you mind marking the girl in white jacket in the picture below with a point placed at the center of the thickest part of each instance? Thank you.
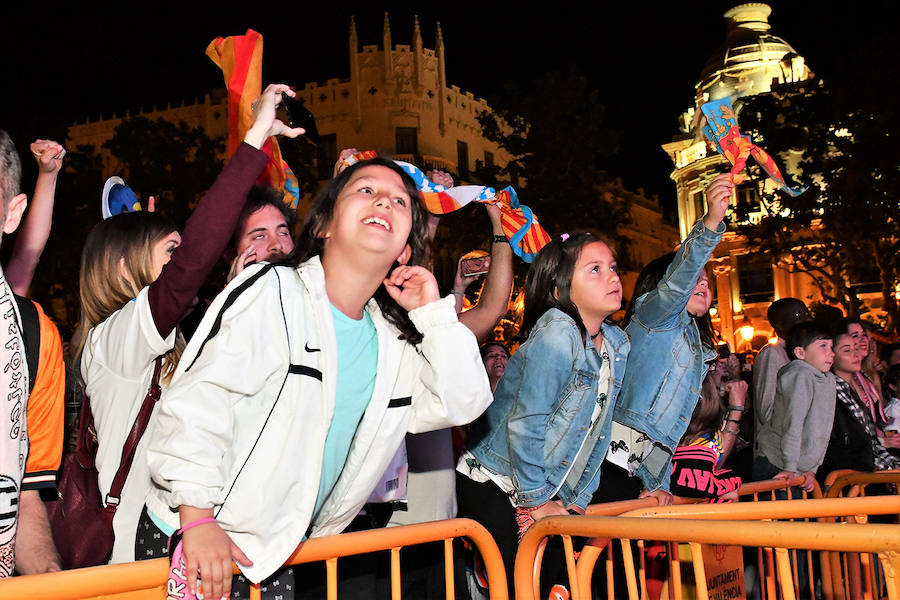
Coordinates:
(301, 382)
(139, 278)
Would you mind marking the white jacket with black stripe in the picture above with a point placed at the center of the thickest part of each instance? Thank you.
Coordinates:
(242, 427)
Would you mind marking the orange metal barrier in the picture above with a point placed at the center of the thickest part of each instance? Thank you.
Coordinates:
(847, 483)
(829, 480)
(684, 508)
(590, 553)
(850, 575)
(611, 509)
(881, 539)
(764, 490)
(842, 575)
(146, 580)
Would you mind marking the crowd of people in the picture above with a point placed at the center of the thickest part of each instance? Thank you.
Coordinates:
(329, 387)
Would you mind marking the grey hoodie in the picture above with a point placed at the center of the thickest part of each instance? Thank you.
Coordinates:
(796, 437)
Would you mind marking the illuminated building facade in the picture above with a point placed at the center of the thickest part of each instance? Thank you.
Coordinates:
(751, 61)
(397, 101)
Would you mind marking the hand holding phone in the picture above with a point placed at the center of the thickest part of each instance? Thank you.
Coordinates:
(299, 116)
(478, 265)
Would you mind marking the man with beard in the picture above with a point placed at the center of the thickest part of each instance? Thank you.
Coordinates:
(264, 231)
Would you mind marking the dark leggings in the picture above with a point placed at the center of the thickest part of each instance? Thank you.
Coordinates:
(490, 506)
(616, 484)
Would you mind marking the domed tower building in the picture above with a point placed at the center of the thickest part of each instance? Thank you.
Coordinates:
(751, 61)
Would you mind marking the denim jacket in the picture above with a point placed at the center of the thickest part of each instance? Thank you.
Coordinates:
(667, 364)
(542, 410)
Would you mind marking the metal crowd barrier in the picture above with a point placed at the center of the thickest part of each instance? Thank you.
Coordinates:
(590, 553)
(146, 580)
(837, 569)
(851, 575)
(768, 575)
(701, 524)
(847, 483)
(765, 490)
(848, 571)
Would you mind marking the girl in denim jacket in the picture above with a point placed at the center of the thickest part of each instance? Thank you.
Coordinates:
(538, 448)
(668, 359)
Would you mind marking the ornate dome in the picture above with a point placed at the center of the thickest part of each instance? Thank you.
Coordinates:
(751, 57)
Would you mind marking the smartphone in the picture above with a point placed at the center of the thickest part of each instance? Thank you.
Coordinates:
(299, 116)
(724, 350)
(472, 267)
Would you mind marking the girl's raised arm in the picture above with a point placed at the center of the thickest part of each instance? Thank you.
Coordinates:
(497, 285)
(671, 295)
(211, 225)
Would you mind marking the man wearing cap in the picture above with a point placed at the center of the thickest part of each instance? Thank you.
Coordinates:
(782, 315)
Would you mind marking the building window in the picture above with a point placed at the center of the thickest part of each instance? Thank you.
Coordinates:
(462, 159)
(748, 196)
(747, 204)
(326, 155)
(407, 140)
(488, 159)
(755, 278)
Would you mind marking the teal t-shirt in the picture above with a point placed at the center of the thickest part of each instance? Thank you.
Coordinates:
(357, 351)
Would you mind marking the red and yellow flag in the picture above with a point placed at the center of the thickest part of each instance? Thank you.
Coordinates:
(240, 58)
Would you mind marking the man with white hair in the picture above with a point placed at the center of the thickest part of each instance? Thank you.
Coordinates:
(31, 414)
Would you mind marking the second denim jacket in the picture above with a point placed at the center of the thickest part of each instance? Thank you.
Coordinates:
(667, 363)
(542, 412)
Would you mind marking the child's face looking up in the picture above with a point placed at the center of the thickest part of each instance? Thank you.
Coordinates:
(596, 289)
(372, 213)
(701, 297)
(819, 354)
(495, 360)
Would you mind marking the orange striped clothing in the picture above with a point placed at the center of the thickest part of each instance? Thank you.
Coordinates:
(46, 410)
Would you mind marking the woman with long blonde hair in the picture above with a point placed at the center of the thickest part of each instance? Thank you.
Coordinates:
(122, 256)
(139, 278)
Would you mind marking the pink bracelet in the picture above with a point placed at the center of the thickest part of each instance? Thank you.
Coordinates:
(193, 524)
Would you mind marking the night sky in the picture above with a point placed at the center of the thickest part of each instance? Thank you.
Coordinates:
(72, 62)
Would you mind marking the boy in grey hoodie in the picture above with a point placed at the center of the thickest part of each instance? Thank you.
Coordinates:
(795, 440)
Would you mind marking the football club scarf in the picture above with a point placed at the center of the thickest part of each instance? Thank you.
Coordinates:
(722, 130)
(520, 225)
(240, 58)
(13, 431)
